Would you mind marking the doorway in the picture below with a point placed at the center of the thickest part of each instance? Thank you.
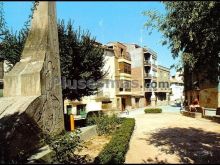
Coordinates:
(137, 102)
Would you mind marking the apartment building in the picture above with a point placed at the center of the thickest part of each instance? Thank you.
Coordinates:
(132, 72)
(122, 75)
(144, 71)
(163, 90)
(150, 75)
(153, 80)
(137, 72)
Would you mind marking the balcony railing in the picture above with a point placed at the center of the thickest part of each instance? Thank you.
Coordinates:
(147, 62)
(147, 75)
(149, 89)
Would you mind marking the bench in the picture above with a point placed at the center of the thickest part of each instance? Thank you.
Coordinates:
(209, 109)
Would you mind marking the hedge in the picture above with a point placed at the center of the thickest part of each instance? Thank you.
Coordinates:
(153, 110)
(114, 152)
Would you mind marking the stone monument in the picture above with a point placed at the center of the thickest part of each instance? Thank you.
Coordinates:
(32, 89)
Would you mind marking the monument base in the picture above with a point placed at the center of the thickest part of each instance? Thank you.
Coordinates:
(22, 125)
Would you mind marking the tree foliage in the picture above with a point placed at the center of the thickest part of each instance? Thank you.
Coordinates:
(12, 43)
(3, 28)
(192, 31)
(82, 60)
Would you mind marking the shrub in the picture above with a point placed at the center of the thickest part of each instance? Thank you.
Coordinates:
(91, 117)
(153, 110)
(114, 152)
(1, 92)
(64, 146)
(105, 124)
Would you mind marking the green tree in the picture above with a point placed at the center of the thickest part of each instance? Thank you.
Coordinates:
(12, 43)
(3, 28)
(82, 60)
(192, 31)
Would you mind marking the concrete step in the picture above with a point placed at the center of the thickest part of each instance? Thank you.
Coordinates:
(12, 105)
(192, 114)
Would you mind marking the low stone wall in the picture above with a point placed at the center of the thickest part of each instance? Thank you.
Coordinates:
(88, 132)
(192, 114)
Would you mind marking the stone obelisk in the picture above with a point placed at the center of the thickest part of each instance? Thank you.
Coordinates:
(33, 86)
(32, 102)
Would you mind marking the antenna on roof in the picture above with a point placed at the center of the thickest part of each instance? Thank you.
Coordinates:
(141, 39)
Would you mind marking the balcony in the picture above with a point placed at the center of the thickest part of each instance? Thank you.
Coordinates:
(125, 56)
(147, 76)
(124, 93)
(147, 63)
(164, 90)
(148, 89)
(167, 90)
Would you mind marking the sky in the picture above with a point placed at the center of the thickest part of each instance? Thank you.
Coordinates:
(107, 21)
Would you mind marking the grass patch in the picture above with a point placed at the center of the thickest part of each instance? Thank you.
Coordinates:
(153, 110)
(114, 152)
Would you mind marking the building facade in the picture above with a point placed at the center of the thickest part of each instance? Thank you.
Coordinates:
(131, 72)
(177, 88)
(137, 73)
(153, 80)
(122, 75)
(150, 76)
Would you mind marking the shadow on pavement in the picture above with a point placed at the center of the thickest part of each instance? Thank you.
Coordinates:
(188, 143)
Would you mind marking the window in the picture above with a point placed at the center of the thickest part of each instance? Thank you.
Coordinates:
(125, 67)
(69, 109)
(136, 100)
(121, 52)
(127, 85)
(81, 109)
